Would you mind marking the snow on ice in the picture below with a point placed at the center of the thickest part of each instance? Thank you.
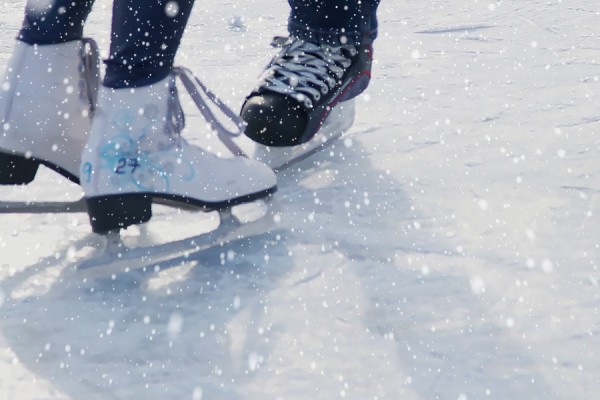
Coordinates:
(448, 248)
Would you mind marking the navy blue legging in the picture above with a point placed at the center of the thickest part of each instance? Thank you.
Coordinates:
(146, 34)
(334, 22)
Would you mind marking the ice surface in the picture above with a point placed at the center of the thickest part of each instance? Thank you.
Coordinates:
(448, 250)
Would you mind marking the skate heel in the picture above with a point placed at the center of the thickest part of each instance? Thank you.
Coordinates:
(17, 170)
(108, 213)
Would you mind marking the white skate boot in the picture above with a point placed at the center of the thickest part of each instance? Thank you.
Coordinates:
(135, 155)
(47, 99)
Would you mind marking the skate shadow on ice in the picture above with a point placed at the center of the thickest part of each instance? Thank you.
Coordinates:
(430, 330)
(330, 293)
(97, 335)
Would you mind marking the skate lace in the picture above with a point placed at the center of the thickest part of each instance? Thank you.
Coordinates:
(175, 121)
(203, 98)
(305, 70)
(90, 72)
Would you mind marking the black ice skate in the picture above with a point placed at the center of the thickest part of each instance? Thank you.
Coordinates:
(299, 89)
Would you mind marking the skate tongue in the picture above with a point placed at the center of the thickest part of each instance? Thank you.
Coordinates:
(279, 42)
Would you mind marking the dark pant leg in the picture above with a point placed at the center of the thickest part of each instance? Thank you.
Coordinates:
(145, 37)
(334, 22)
(54, 22)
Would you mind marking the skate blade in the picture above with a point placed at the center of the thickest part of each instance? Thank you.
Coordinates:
(240, 222)
(42, 207)
(337, 123)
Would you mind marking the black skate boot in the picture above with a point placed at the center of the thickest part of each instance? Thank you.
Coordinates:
(300, 87)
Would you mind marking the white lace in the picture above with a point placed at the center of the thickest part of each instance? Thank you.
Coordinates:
(202, 97)
(305, 70)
